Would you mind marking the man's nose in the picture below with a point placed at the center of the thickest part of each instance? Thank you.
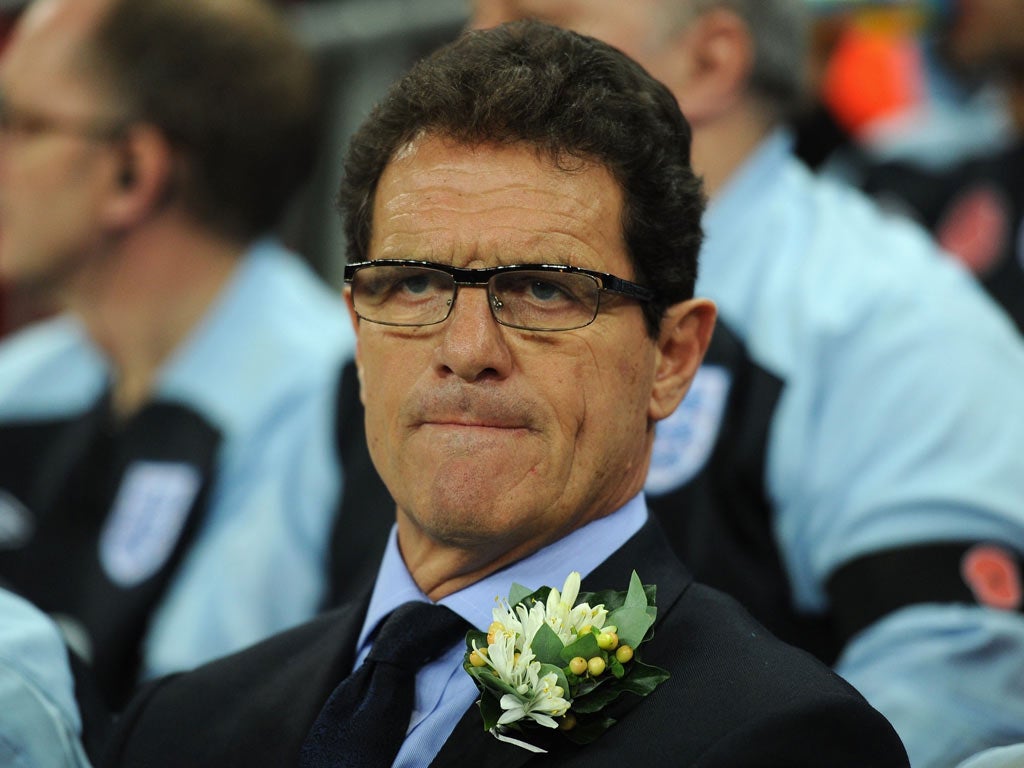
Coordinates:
(472, 344)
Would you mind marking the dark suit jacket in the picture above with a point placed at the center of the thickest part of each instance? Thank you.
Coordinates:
(737, 695)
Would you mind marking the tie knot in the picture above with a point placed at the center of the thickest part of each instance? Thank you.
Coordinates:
(416, 632)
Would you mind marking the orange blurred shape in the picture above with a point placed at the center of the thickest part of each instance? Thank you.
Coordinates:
(874, 73)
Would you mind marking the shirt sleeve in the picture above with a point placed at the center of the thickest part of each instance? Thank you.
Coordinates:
(947, 677)
(39, 723)
(258, 564)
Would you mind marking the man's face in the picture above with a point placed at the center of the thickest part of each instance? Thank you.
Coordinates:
(987, 35)
(489, 437)
(638, 28)
(49, 153)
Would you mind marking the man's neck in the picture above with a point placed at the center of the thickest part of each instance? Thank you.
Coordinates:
(144, 298)
(722, 146)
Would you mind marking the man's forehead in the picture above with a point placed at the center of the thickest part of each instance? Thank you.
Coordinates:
(443, 200)
(48, 40)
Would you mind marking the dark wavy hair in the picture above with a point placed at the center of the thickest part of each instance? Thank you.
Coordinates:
(571, 97)
(233, 90)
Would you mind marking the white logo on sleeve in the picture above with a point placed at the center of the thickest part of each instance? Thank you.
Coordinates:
(147, 518)
(683, 442)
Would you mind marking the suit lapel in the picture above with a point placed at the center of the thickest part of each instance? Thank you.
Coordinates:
(648, 553)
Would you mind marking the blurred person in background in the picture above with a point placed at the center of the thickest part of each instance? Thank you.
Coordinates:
(854, 471)
(169, 469)
(976, 208)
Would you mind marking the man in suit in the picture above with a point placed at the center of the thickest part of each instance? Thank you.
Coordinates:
(513, 426)
(865, 488)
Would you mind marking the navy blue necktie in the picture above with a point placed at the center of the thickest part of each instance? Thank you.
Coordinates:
(364, 721)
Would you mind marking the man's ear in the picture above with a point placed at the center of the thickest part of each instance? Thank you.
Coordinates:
(141, 176)
(347, 293)
(708, 64)
(683, 339)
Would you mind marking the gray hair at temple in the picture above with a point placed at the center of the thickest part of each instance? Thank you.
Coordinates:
(780, 30)
(575, 100)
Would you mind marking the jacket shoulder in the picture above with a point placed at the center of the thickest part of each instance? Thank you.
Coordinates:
(253, 707)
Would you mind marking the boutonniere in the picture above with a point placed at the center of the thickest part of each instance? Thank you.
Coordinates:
(550, 661)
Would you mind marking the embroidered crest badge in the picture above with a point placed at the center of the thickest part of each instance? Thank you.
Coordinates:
(683, 442)
(147, 518)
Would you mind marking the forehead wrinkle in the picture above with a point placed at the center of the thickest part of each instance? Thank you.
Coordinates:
(499, 244)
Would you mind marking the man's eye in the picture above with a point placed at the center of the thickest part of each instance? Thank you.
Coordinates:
(544, 290)
(414, 284)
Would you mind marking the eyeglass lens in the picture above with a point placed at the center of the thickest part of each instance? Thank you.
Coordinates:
(529, 299)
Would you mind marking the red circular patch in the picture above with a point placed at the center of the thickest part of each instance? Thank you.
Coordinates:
(975, 228)
(991, 573)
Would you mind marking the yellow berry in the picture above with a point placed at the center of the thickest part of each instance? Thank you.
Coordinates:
(596, 666)
(476, 658)
(568, 722)
(578, 666)
(623, 653)
(607, 641)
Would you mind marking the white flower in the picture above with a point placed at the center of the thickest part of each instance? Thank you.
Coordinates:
(542, 700)
(558, 613)
(538, 698)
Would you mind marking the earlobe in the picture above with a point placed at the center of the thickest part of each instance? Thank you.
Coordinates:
(141, 179)
(685, 335)
(719, 52)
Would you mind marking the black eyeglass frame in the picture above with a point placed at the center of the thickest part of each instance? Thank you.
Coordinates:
(481, 277)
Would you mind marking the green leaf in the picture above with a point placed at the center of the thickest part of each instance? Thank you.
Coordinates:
(585, 646)
(615, 666)
(488, 681)
(640, 679)
(633, 623)
(518, 593)
(651, 590)
(587, 686)
(609, 598)
(636, 597)
(490, 709)
(480, 637)
(547, 646)
(597, 699)
(643, 678)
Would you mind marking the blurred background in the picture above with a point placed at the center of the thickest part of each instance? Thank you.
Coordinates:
(879, 91)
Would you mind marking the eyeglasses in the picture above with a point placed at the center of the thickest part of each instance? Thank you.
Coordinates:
(532, 297)
(24, 122)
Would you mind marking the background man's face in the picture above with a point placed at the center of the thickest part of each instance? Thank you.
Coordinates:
(48, 164)
(638, 28)
(490, 434)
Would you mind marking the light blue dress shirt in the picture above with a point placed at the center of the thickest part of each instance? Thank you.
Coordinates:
(262, 367)
(901, 421)
(39, 722)
(443, 689)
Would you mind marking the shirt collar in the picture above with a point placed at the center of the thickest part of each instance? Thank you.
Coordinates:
(582, 550)
(748, 182)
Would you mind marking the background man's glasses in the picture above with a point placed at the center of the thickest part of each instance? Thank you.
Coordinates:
(533, 297)
(24, 122)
